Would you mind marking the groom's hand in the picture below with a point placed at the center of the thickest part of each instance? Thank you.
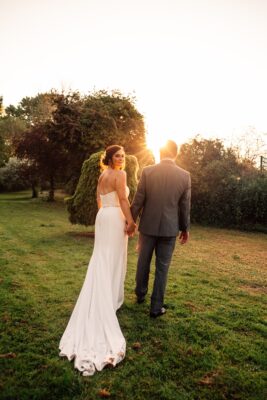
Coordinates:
(184, 236)
(130, 229)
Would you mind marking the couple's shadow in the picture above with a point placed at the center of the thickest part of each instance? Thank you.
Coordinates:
(138, 327)
(147, 339)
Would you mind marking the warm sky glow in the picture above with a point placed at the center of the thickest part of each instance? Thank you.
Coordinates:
(154, 143)
(195, 66)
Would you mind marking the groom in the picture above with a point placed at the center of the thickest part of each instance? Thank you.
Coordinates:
(163, 199)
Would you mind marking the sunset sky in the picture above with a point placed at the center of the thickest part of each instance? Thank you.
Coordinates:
(195, 66)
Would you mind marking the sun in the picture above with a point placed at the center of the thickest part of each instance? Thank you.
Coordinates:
(161, 127)
(154, 143)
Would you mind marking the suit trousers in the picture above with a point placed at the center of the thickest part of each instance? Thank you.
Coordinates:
(163, 247)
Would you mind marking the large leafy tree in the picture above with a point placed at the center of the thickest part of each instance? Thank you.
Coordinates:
(34, 110)
(89, 124)
(26, 126)
(110, 118)
(63, 130)
(46, 157)
(46, 142)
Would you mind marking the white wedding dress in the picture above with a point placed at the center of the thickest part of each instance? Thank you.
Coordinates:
(93, 336)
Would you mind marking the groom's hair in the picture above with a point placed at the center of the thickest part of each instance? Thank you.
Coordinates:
(109, 153)
(170, 149)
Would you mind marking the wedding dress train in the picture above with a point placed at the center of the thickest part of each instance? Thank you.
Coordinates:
(93, 336)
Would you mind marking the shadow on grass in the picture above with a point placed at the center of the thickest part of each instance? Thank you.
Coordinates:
(87, 234)
(10, 197)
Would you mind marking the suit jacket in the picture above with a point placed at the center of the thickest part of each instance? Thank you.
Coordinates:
(163, 199)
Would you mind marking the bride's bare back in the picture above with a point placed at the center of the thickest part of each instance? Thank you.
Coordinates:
(107, 181)
(112, 181)
(115, 181)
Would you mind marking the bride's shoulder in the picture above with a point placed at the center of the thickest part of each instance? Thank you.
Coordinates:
(101, 176)
(120, 173)
(120, 177)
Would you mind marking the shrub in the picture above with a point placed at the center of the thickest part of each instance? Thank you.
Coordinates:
(82, 206)
(253, 203)
(233, 203)
(12, 177)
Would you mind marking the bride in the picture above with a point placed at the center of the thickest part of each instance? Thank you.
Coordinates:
(93, 337)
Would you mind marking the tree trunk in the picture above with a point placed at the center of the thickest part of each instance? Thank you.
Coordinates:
(51, 195)
(34, 191)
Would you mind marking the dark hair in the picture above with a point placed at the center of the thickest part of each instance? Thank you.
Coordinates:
(109, 152)
(170, 149)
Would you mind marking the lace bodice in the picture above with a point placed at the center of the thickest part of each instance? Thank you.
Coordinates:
(111, 199)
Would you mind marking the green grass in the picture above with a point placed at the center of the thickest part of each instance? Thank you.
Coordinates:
(209, 345)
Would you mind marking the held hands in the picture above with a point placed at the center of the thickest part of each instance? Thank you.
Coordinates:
(184, 236)
(130, 228)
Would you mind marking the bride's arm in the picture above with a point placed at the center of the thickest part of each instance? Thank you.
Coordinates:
(120, 185)
(98, 198)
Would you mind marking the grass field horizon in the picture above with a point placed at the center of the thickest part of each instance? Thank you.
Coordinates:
(210, 345)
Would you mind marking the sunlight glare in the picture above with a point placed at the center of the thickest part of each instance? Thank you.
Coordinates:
(161, 127)
(154, 143)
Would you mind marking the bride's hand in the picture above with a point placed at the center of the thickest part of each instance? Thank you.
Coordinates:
(130, 229)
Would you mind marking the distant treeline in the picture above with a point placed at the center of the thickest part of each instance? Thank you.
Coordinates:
(226, 191)
(45, 140)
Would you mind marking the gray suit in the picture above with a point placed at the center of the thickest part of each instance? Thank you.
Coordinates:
(163, 200)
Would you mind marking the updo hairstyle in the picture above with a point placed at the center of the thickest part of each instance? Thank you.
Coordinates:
(109, 152)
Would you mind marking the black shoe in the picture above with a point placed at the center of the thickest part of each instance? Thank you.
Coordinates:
(158, 313)
(140, 300)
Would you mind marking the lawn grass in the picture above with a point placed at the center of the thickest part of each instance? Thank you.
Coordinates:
(209, 345)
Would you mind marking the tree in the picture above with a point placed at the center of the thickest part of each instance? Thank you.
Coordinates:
(63, 130)
(9, 127)
(11, 130)
(110, 118)
(30, 113)
(44, 156)
(250, 145)
(221, 182)
(34, 110)
(91, 123)
(1, 106)
(3, 147)
(82, 206)
(3, 152)
(29, 172)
